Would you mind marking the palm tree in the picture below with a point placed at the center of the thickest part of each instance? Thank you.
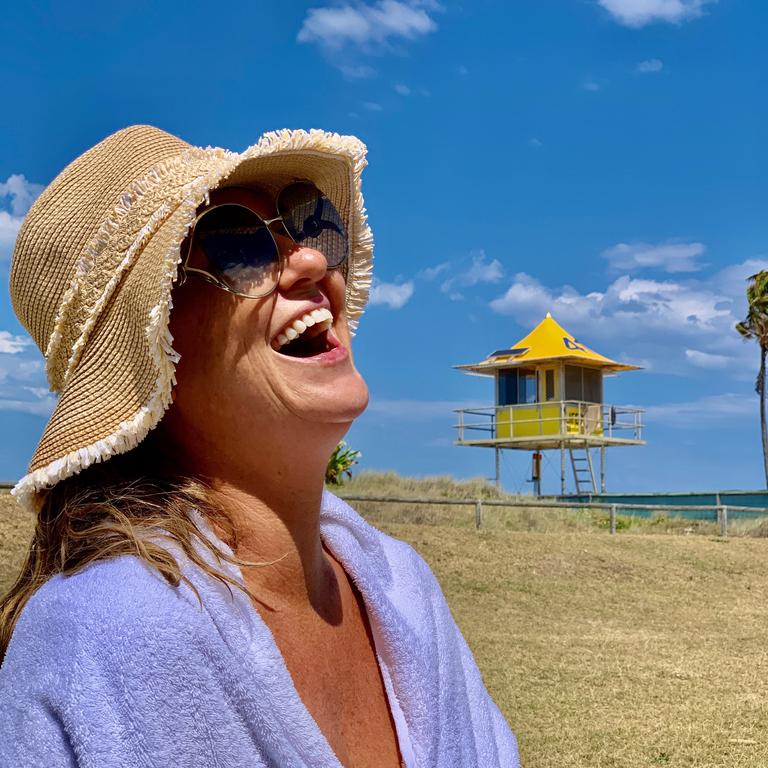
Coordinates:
(755, 326)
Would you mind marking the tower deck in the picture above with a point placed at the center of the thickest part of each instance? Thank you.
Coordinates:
(553, 424)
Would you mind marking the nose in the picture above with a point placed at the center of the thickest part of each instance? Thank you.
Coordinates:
(303, 267)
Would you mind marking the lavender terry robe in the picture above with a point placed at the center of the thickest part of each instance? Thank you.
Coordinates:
(114, 668)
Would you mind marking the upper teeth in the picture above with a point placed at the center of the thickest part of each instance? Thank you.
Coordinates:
(297, 327)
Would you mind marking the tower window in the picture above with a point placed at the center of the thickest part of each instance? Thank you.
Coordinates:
(583, 384)
(526, 382)
(549, 384)
(517, 386)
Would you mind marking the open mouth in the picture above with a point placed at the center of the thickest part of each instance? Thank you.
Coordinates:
(308, 336)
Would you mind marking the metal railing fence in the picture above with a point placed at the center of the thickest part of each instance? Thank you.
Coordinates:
(565, 418)
(720, 513)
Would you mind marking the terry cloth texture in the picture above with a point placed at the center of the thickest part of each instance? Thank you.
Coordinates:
(112, 667)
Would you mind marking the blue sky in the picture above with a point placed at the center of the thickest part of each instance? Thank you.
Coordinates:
(601, 159)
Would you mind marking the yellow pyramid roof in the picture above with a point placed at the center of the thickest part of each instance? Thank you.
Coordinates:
(547, 341)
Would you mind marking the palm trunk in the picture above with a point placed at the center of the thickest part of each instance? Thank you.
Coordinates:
(761, 393)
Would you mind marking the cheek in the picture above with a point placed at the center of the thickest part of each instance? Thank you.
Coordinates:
(336, 290)
(196, 330)
(189, 312)
(225, 376)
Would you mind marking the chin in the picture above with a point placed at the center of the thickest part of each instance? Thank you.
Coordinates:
(338, 402)
(355, 398)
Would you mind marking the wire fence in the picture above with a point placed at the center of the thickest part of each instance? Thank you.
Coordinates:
(722, 514)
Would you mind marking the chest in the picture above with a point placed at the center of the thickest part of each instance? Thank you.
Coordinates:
(336, 673)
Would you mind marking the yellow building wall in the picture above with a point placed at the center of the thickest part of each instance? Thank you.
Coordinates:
(544, 419)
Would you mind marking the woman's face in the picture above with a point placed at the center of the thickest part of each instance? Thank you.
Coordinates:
(232, 378)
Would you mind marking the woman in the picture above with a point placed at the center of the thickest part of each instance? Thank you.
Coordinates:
(192, 595)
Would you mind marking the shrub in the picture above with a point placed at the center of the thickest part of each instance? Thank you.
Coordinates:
(340, 464)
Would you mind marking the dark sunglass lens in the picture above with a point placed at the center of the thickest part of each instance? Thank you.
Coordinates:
(240, 249)
(312, 220)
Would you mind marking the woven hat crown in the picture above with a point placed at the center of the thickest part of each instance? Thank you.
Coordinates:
(65, 218)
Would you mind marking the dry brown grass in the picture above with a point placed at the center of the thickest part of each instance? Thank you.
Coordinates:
(625, 651)
(15, 534)
(614, 651)
(527, 518)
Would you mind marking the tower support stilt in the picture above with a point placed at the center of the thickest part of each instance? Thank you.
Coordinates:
(562, 469)
(602, 469)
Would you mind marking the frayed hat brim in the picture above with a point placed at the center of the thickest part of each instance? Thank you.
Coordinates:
(118, 375)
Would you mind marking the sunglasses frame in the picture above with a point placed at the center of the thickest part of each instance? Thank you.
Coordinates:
(186, 271)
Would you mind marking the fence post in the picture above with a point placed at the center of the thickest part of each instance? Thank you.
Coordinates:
(724, 522)
(613, 518)
(478, 513)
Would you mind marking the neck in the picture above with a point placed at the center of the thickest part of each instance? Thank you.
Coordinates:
(279, 525)
(274, 500)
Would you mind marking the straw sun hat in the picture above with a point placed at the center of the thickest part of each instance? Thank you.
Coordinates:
(95, 260)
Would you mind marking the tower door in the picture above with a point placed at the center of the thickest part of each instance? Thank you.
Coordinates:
(548, 389)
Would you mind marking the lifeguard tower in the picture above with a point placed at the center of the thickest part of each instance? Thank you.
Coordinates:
(549, 396)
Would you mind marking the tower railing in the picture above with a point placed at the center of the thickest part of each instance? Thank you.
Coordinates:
(564, 419)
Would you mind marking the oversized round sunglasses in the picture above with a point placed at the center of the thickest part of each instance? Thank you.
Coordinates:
(239, 247)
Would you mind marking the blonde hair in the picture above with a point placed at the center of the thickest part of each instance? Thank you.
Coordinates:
(121, 507)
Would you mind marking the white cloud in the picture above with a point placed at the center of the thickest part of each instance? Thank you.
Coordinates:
(11, 345)
(356, 71)
(590, 85)
(364, 25)
(637, 319)
(394, 295)
(15, 370)
(418, 409)
(708, 360)
(732, 280)
(638, 13)
(430, 273)
(22, 194)
(402, 89)
(20, 376)
(535, 143)
(373, 106)
(649, 66)
(9, 228)
(480, 270)
(626, 302)
(670, 256)
(704, 411)
(39, 392)
(42, 407)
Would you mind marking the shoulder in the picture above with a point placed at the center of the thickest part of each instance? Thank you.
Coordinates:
(98, 613)
(115, 660)
(338, 515)
(408, 560)
(107, 594)
(396, 565)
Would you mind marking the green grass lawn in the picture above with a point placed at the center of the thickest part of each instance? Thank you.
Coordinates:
(631, 650)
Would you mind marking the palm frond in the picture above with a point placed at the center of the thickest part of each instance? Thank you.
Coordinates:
(755, 324)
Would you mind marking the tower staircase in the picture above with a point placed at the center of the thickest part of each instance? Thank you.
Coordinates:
(583, 470)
